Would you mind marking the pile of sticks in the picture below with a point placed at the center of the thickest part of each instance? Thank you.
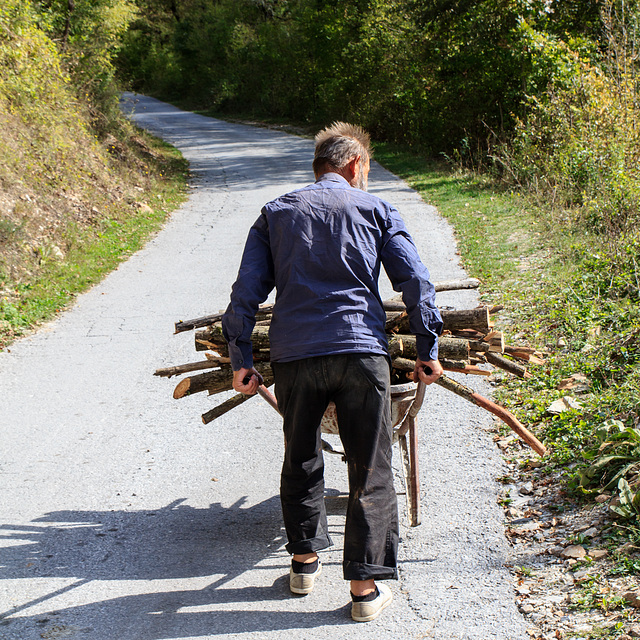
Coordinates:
(468, 344)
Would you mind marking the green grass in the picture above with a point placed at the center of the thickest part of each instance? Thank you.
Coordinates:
(495, 233)
(557, 296)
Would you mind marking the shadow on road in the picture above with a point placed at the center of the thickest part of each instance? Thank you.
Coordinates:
(215, 545)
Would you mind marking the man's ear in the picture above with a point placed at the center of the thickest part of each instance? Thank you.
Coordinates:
(353, 168)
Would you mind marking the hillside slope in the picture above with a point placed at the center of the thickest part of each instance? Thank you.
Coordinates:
(63, 191)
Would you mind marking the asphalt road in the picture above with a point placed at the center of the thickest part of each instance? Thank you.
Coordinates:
(125, 518)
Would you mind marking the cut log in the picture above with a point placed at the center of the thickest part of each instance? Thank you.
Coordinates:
(205, 345)
(404, 364)
(223, 408)
(197, 323)
(457, 285)
(212, 335)
(394, 304)
(457, 320)
(508, 365)
(467, 369)
(394, 320)
(220, 380)
(178, 370)
(477, 318)
(449, 348)
(215, 381)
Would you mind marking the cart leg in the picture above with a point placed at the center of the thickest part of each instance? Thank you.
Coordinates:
(409, 453)
(414, 476)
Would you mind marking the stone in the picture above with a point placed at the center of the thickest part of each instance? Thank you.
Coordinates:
(603, 497)
(591, 532)
(598, 554)
(582, 576)
(626, 548)
(526, 608)
(574, 551)
(633, 598)
(143, 207)
(566, 403)
(526, 489)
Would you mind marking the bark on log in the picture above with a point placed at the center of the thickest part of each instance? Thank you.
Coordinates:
(179, 369)
(197, 323)
(448, 348)
(506, 364)
(457, 285)
(215, 381)
(394, 319)
(467, 319)
(213, 335)
(404, 364)
(453, 320)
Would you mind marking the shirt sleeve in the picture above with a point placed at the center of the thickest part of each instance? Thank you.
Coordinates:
(252, 286)
(409, 276)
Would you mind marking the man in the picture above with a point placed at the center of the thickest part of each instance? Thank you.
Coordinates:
(321, 247)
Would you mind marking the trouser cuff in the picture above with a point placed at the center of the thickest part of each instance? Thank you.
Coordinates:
(362, 571)
(309, 546)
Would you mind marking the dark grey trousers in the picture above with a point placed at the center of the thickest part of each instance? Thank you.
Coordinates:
(358, 384)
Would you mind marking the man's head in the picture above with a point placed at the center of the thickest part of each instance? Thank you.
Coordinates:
(345, 149)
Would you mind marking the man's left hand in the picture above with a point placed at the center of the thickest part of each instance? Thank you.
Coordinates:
(427, 372)
(253, 381)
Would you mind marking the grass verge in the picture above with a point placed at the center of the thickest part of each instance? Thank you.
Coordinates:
(572, 295)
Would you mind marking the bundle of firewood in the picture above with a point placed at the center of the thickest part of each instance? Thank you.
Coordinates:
(468, 344)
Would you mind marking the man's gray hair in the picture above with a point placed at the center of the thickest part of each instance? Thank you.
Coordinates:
(340, 143)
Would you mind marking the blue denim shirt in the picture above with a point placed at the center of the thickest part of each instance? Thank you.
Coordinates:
(321, 247)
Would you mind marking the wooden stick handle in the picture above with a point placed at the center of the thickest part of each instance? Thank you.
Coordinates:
(268, 397)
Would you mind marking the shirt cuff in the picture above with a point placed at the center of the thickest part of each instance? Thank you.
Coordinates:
(427, 347)
(240, 355)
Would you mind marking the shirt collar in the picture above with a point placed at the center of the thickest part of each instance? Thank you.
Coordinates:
(330, 176)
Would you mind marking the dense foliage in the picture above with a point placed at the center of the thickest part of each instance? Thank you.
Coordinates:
(429, 72)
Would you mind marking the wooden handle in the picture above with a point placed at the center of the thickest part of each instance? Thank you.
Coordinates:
(504, 415)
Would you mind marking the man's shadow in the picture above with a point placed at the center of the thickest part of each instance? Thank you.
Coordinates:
(174, 542)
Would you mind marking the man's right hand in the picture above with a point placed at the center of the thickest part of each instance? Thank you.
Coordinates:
(427, 372)
(254, 380)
